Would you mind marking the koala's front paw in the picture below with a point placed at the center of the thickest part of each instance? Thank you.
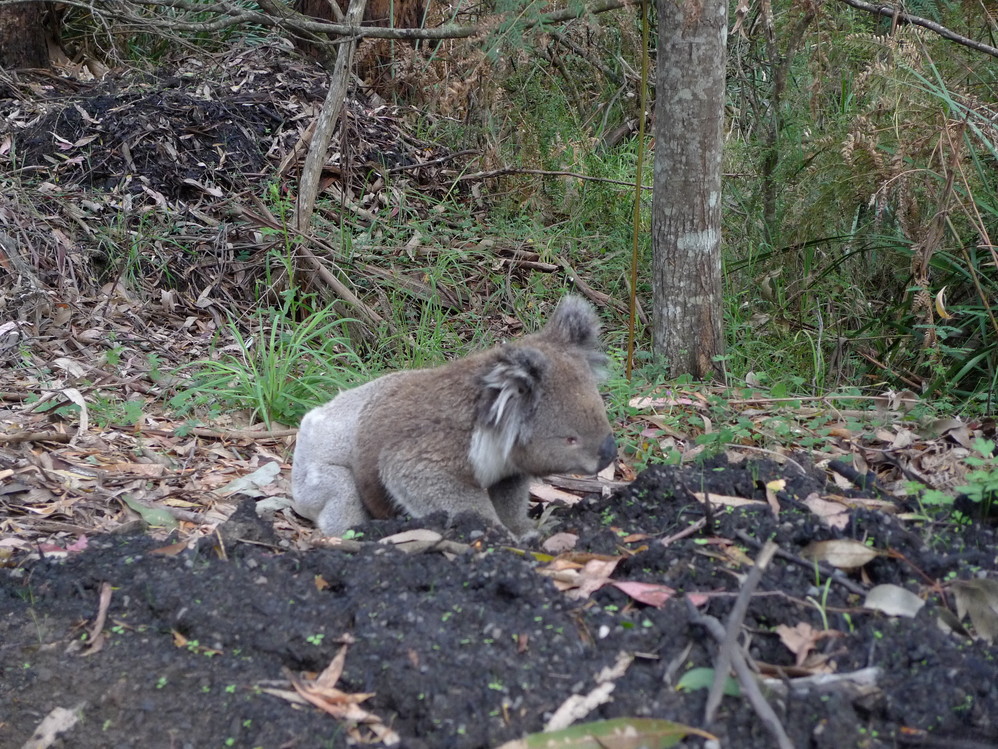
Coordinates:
(530, 537)
(524, 531)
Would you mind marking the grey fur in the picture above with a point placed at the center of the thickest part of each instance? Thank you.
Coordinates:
(468, 435)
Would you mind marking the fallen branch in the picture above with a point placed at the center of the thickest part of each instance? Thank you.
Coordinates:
(47, 436)
(332, 107)
(546, 173)
(231, 14)
(240, 434)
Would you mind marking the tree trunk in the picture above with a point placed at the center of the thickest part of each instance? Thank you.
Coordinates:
(686, 210)
(22, 37)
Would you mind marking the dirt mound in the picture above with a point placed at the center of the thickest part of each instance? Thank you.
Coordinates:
(473, 649)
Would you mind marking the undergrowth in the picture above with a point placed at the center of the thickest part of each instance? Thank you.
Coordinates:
(861, 206)
(291, 359)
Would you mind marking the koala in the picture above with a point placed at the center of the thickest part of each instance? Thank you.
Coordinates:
(467, 435)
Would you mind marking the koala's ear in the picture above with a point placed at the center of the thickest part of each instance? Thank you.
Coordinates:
(510, 392)
(573, 323)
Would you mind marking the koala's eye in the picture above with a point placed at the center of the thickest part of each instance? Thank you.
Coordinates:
(571, 440)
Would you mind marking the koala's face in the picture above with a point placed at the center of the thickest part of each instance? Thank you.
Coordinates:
(569, 431)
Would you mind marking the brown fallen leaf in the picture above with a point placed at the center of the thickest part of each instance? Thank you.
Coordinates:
(843, 554)
(648, 593)
(323, 694)
(802, 638)
(580, 581)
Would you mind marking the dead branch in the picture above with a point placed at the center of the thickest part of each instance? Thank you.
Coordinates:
(547, 173)
(7, 439)
(240, 434)
(367, 315)
(232, 14)
(332, 107)
(891, 12)
(729, 642)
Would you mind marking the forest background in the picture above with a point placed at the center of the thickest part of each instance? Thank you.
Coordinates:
(859, 210)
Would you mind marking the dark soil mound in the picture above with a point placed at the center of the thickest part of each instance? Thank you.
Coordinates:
(480, 648)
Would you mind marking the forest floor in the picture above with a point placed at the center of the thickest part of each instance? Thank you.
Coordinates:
(156, 590)
(129, 641)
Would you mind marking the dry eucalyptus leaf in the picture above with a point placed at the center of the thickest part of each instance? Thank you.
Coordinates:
(416, 535)
(979, 600)
(842, 554)
(560, 542)
(893, 600)
(832, 514)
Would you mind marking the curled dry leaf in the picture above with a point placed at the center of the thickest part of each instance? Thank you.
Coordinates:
(941, 305)
(979, 600)
(893, 600)
(323, 694)
(647, 593)
(580, 575)
(802, 639)
(832, 514)
(843, 554)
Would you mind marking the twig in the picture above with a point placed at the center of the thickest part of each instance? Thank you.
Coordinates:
(815, 399)
(807, 564)
(687, 531)
(95, 637)
(745, 678)
(736, 618)
(433, 162)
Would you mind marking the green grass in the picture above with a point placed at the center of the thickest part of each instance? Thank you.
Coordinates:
(279, 370)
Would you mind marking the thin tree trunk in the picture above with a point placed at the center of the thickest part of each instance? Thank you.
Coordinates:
(22, 36)
(686, 212)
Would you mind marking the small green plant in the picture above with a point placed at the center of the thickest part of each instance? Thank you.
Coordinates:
(929, 500)
(315, 639)
(982, 482)
(352, 535)
(281, 370)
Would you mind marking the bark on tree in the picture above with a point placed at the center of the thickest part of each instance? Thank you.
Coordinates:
(22, 37)
(686, 209)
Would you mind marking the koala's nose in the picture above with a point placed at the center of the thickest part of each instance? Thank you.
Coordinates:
(607, 452)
